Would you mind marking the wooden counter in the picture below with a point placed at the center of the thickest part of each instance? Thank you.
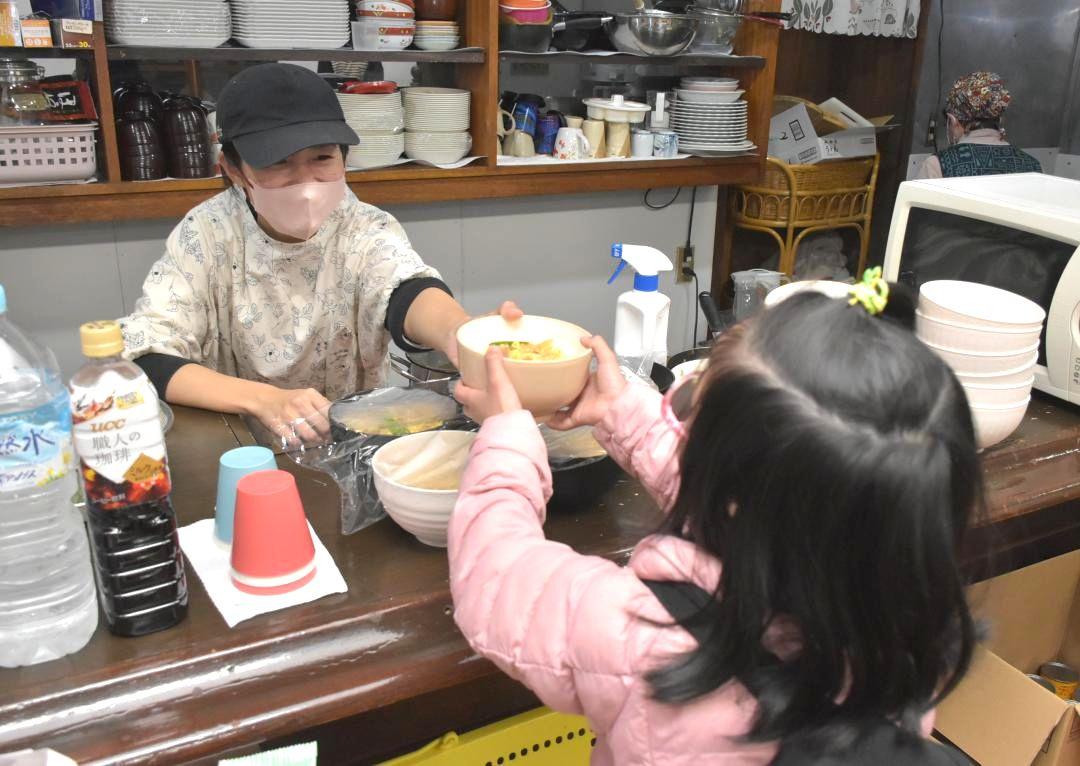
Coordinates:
(389, 644)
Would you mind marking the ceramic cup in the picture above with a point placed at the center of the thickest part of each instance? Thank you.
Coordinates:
(594, 131)
(665, 143)
(574, 122)
(618, 139)
(272, 550)
(232, 467)
(518, 143)
(641, 143)
(502, 120)
(571, 144)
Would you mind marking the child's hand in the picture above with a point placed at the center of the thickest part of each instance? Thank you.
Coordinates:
(499, 397)
(604, 387)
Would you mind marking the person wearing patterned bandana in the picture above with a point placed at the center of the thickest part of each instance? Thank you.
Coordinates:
(974, 113)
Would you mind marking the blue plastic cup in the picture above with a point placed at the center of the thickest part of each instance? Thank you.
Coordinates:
(232, 467)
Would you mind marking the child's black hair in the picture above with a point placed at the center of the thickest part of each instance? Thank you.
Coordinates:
(831, 466)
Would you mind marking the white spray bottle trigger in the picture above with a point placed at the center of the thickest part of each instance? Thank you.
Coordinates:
(647, 261)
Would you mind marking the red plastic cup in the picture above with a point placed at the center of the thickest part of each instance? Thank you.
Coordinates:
(272, 551)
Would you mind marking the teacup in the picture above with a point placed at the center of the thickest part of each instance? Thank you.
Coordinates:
(501, 129)
(571, 144)
(518, 143)
(574, 122)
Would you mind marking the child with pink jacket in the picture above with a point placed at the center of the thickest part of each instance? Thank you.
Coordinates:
(801, 603)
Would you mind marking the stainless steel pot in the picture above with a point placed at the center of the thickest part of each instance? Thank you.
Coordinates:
(651, 33)
(716, 30)
(430, 370)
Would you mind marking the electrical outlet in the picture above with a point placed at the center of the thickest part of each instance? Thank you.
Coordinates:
(684, 259)
(931, 132)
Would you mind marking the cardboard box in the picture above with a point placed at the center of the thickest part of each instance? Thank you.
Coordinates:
(997, 715)
(36, 33)
(794, 139)
(73, 33)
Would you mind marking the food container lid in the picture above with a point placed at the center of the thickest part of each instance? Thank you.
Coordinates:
(15, 71)
(616, 109)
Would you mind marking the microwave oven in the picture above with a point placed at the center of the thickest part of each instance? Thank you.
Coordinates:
(1019, 232)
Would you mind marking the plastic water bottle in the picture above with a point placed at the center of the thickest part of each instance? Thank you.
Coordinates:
(48, 604)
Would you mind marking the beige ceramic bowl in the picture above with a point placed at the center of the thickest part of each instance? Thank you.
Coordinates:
(544, 387)
(994, 424)
(971, 303)
(969, 337)
(1012, 377)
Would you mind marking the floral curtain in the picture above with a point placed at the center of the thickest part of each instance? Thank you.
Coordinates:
(884, 18)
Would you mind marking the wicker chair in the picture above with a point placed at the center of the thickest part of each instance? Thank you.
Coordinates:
(808, 198)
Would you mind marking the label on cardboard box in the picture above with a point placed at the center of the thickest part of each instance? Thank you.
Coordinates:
(77, 26)
(854, 142)
(10, 29)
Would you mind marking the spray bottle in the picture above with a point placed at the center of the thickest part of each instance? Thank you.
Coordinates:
(641, 314)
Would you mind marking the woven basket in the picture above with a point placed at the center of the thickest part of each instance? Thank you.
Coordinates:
(831, 174)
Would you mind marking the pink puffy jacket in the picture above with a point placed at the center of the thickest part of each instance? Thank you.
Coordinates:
(576, 629)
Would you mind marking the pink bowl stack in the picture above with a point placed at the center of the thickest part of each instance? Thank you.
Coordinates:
(990, 338)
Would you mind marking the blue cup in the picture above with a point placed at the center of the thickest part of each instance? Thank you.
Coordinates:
(232, 467)
(526, 116)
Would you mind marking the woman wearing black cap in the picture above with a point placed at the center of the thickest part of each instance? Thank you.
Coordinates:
(284, 289)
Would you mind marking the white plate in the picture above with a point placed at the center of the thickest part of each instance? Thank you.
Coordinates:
(287, 42)
(709, 96)
(155, 41)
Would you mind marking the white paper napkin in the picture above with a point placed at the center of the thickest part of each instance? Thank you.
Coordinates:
(210, 560)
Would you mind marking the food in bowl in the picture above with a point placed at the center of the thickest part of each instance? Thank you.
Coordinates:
(391, 412)
(523, 350)
(544, 386)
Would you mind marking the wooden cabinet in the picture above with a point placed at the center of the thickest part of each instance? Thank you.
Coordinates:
(475, 68)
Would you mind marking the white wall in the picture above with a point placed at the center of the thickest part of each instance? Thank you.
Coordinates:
(551, 254)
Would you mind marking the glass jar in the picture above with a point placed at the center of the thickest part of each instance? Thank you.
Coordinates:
(22, 101)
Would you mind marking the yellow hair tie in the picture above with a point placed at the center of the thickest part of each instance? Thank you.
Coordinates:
(872, 292)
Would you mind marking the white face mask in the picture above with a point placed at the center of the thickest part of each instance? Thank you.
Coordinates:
(299, 210)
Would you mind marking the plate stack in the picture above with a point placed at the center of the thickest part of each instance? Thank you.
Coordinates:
(990, 338)
(437, 124)
(378, 119)
(168, 23)
(291, 23)
(437, 35)
(710, 116)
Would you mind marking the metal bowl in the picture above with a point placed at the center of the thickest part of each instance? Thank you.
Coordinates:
(651, 33)
(716, 30)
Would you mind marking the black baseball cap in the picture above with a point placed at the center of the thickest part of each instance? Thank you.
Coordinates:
(270, 111)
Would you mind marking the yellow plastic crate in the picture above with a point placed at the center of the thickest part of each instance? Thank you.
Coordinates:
(539, 737)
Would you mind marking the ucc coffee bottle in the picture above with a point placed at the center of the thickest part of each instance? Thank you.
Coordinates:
(125, 475)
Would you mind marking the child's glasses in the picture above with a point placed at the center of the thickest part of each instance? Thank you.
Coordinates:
(678, 403)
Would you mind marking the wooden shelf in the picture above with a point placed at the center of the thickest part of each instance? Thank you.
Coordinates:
(129, 200)
(240, 53)
(601, 57)
(48, 53)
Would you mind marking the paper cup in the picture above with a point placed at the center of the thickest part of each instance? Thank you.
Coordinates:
(232, 467)
(272, 550)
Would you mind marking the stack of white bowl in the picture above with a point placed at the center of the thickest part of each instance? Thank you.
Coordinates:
(437, 124)
(379, 122)
(990, 337)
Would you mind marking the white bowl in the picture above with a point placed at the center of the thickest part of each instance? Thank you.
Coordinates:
(424, 513)
(824, 286)
(968, 337)
(375, 37)
(972, 303)
(433, 45)
(984, 362)
(998, 395)
(1006, 378)
(435, 156)
(384, 5)
(994, 424)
